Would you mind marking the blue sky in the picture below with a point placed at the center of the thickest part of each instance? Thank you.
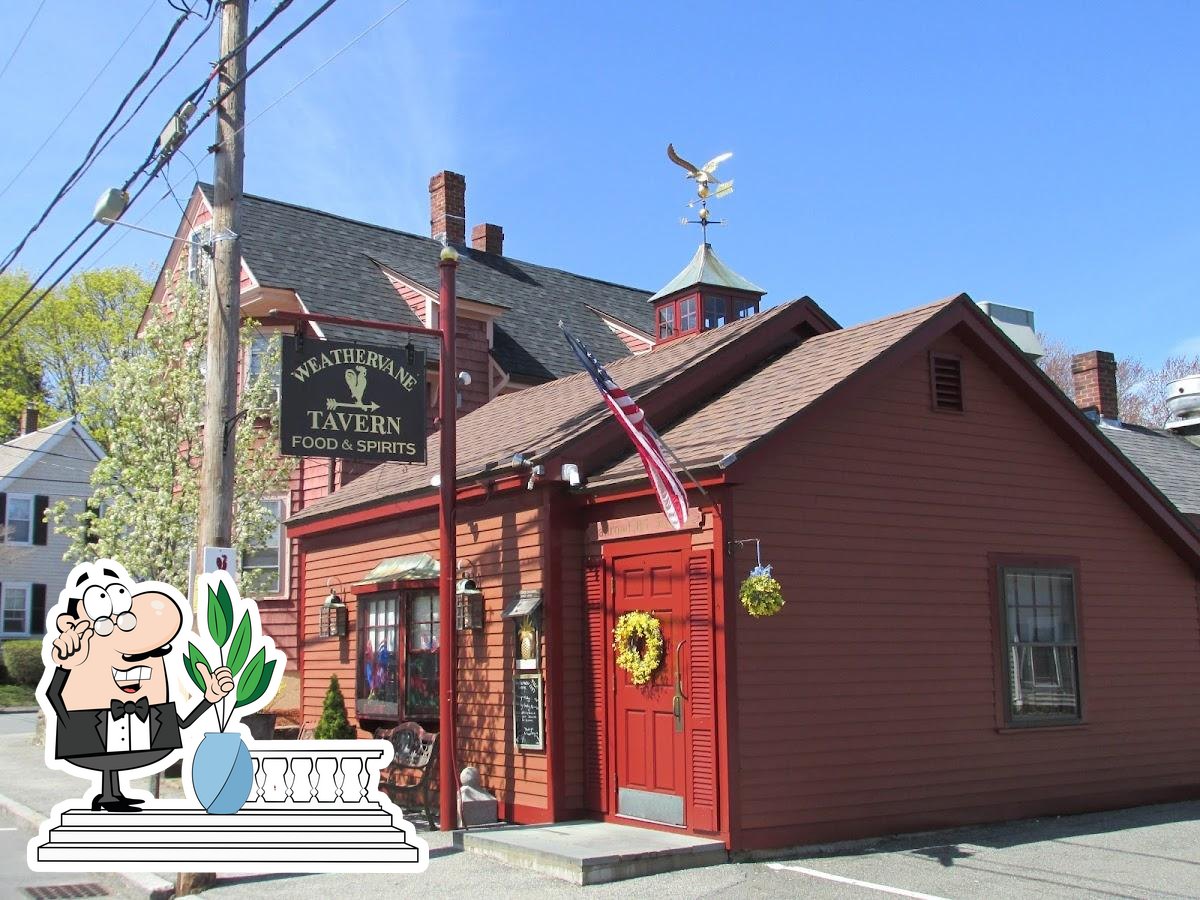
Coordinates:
(885, 154)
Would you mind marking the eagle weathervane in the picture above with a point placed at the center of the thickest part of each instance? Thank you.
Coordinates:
(707, 186)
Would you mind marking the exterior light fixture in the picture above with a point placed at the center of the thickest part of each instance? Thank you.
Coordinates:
(110, 206)
(464, 379)
(727, 460)
(333, 616)
(570, 474)
(521, 460)
(468, 605)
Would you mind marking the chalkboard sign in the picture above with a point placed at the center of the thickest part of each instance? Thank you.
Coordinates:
(527, 711)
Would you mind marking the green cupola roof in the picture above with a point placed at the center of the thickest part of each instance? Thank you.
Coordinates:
(706, 268)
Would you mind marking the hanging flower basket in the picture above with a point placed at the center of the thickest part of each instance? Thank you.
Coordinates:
(760, 593)
(638, 641)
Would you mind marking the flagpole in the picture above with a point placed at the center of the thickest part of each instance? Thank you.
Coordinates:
(679, 462)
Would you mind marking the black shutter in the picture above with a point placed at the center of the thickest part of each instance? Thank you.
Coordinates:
(3, 520)
(40, 502)
(37, 624)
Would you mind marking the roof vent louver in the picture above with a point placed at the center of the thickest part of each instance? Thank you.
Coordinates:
(945, 376)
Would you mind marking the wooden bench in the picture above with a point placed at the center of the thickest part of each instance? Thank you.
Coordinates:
(409, 777)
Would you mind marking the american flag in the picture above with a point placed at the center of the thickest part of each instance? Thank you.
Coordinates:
(671, 495)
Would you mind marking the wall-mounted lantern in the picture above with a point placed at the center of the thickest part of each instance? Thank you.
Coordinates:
(468, 605)
(333, 616)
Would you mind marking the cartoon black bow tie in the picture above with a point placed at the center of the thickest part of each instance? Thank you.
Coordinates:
(141, 708)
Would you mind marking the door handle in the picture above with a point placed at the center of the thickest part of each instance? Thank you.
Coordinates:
(677, 700)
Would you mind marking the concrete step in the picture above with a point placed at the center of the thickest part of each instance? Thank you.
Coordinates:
(593, 852)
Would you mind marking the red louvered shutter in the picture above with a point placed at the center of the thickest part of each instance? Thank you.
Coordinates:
(702, 700)
(595, 648)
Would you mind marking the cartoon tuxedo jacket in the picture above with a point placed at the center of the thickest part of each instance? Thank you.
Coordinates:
(84, 732)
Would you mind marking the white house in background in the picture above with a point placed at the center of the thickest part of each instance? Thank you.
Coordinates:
(38, 469)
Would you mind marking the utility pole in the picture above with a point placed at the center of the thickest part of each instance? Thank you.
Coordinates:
(224, 317)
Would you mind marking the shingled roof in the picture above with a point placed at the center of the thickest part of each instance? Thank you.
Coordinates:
(334, 264)
(753, 409)
(1170, 461)
(538, 419)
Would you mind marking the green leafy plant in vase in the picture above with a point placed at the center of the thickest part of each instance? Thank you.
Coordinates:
(222, 772)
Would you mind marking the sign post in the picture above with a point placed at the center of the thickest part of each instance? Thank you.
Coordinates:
(447, 474)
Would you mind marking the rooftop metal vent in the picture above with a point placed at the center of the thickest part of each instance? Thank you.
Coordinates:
(1183, 403)
(1018, 325)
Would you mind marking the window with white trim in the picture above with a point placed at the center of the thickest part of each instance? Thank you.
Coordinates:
(260, 350)
(17, 608)
(1041, 643)
(262, 566)
(199, 244)
(18, 519)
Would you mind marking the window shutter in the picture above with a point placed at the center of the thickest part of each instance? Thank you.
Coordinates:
(37, 624)
(40, 503)
(702, 701)
(3, 517)
(595, 708)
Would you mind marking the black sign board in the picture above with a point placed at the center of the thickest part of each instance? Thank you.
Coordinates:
(352, 400)
(527, 711)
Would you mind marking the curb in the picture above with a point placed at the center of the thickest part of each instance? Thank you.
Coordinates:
(155, 888)
(4, 710)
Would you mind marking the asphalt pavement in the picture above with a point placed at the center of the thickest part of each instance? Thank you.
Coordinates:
(1150, 852)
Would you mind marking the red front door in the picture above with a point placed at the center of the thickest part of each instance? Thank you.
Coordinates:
(651, 774)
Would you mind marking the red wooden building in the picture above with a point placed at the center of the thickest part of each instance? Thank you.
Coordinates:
(991, 613)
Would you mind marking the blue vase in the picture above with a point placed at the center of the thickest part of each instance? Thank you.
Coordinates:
(222, 773)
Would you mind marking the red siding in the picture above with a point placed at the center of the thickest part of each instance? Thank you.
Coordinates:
(503, 551)
(871, 703)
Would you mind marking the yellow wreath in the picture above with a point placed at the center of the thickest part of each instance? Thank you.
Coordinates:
(638, 641)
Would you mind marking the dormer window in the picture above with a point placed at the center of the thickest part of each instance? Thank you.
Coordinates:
(716, 312)
(687, 315)
(198, 256)
(666, 321)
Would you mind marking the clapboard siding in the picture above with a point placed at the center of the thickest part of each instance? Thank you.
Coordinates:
(870, 703)
(503, 551)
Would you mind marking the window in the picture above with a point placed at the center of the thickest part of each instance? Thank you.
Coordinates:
(687, 315)
(18, 519)
(18, 600)
(400, 632)
(716, 312)
(261, 565)
(1041, 644)
(199, 245)
(421, 663)
(666, 321)
(744, 309)
(260, 349)
(378, 688)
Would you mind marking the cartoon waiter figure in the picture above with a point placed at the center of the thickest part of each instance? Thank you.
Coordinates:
(109, 687)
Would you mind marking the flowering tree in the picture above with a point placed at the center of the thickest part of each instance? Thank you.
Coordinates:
(145, 503)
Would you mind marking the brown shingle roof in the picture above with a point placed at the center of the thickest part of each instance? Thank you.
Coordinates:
(537, 419)
(752, 409)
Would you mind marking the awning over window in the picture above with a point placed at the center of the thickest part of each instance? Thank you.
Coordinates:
(413, 567)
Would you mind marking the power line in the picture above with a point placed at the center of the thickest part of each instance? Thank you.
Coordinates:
(195, 96)
(72, 179)
(87, 90)
(212, 108)
(21, 39)
(33, 450)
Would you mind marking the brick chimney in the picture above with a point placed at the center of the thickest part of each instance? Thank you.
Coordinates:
(29, 420)
(488, 238)
(448, 207)
(1095, 377)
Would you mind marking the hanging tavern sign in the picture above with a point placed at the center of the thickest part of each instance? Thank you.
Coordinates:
(352, 400)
